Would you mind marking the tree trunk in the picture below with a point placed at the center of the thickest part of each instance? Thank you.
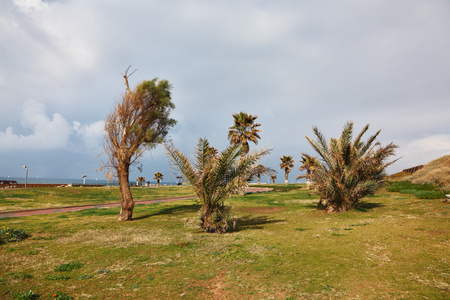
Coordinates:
(126, 199)
(286, 181)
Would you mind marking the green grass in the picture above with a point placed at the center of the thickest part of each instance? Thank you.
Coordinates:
(421, 191)
(394, 247)
(18, 199)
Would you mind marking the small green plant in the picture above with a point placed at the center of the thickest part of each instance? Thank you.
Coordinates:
(69, 266)
(23, 276)
(56, 277)
(9, 234)
(85, 276)
(62, 296)
(28, 295)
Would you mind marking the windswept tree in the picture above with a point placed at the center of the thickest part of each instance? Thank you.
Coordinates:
(348, 169)
(214, 179)
(138, 122)
(244, 130)
(158, 177)
(287, 163)
(308, 163)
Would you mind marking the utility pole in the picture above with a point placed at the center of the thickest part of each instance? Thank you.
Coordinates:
(26, 175)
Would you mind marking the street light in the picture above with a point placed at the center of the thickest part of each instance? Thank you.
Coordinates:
(26, 175)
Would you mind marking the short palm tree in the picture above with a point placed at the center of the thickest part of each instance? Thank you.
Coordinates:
(260, 170)
(273, 177)
(287, 163)
(158, 177)
(308, 163)
(244, 130)
(214, 178)
(141, 181)
(349, 170)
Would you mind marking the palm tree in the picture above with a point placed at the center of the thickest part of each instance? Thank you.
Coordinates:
(287, 163)
(214, 179)
(158, 177)
(273, 177)
(141, 181)
(308, 163)
(260, 170)
(244, 130)
(349, 170)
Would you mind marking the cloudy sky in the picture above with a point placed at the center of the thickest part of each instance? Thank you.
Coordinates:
(294, 64)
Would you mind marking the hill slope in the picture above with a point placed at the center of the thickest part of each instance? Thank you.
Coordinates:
(435, 172)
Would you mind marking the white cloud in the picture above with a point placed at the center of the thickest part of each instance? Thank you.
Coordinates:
(42, 132)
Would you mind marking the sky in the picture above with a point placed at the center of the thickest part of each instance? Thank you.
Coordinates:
(294, 64)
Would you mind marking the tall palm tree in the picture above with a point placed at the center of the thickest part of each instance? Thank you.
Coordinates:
(244, 130)
(308, 163)
(287, 163)
(214, 179)
(158, 177)
(349, 170)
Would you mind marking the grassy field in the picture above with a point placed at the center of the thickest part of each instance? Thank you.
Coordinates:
(17, 199)
(394, 246)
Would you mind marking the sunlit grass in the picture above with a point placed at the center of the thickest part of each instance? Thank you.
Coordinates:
(395, 246)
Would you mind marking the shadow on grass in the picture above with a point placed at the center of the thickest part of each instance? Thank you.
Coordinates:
(254, 222)
(173, 210)
(366, 206)
(362, 207)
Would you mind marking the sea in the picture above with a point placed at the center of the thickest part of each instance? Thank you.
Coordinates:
(88, 181)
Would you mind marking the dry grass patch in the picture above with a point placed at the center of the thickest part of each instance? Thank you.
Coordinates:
(122, 238)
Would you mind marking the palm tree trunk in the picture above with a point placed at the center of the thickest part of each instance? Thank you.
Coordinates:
(286, 181)
(126, 199)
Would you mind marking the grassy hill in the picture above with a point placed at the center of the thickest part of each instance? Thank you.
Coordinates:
(437, 172)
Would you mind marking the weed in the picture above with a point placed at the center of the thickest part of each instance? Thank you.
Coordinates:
(23, 276)
(56, 277)
(28, 295)
(69, 266)
(9, 234)
(83, 277)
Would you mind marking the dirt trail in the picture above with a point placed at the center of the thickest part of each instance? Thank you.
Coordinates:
(43, 211)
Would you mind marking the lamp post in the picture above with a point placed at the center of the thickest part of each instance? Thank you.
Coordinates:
(26, 175)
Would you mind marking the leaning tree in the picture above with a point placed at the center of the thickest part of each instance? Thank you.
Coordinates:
(138, 122)
(348, 169)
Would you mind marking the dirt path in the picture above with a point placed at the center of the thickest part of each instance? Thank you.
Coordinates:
(43, 211)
